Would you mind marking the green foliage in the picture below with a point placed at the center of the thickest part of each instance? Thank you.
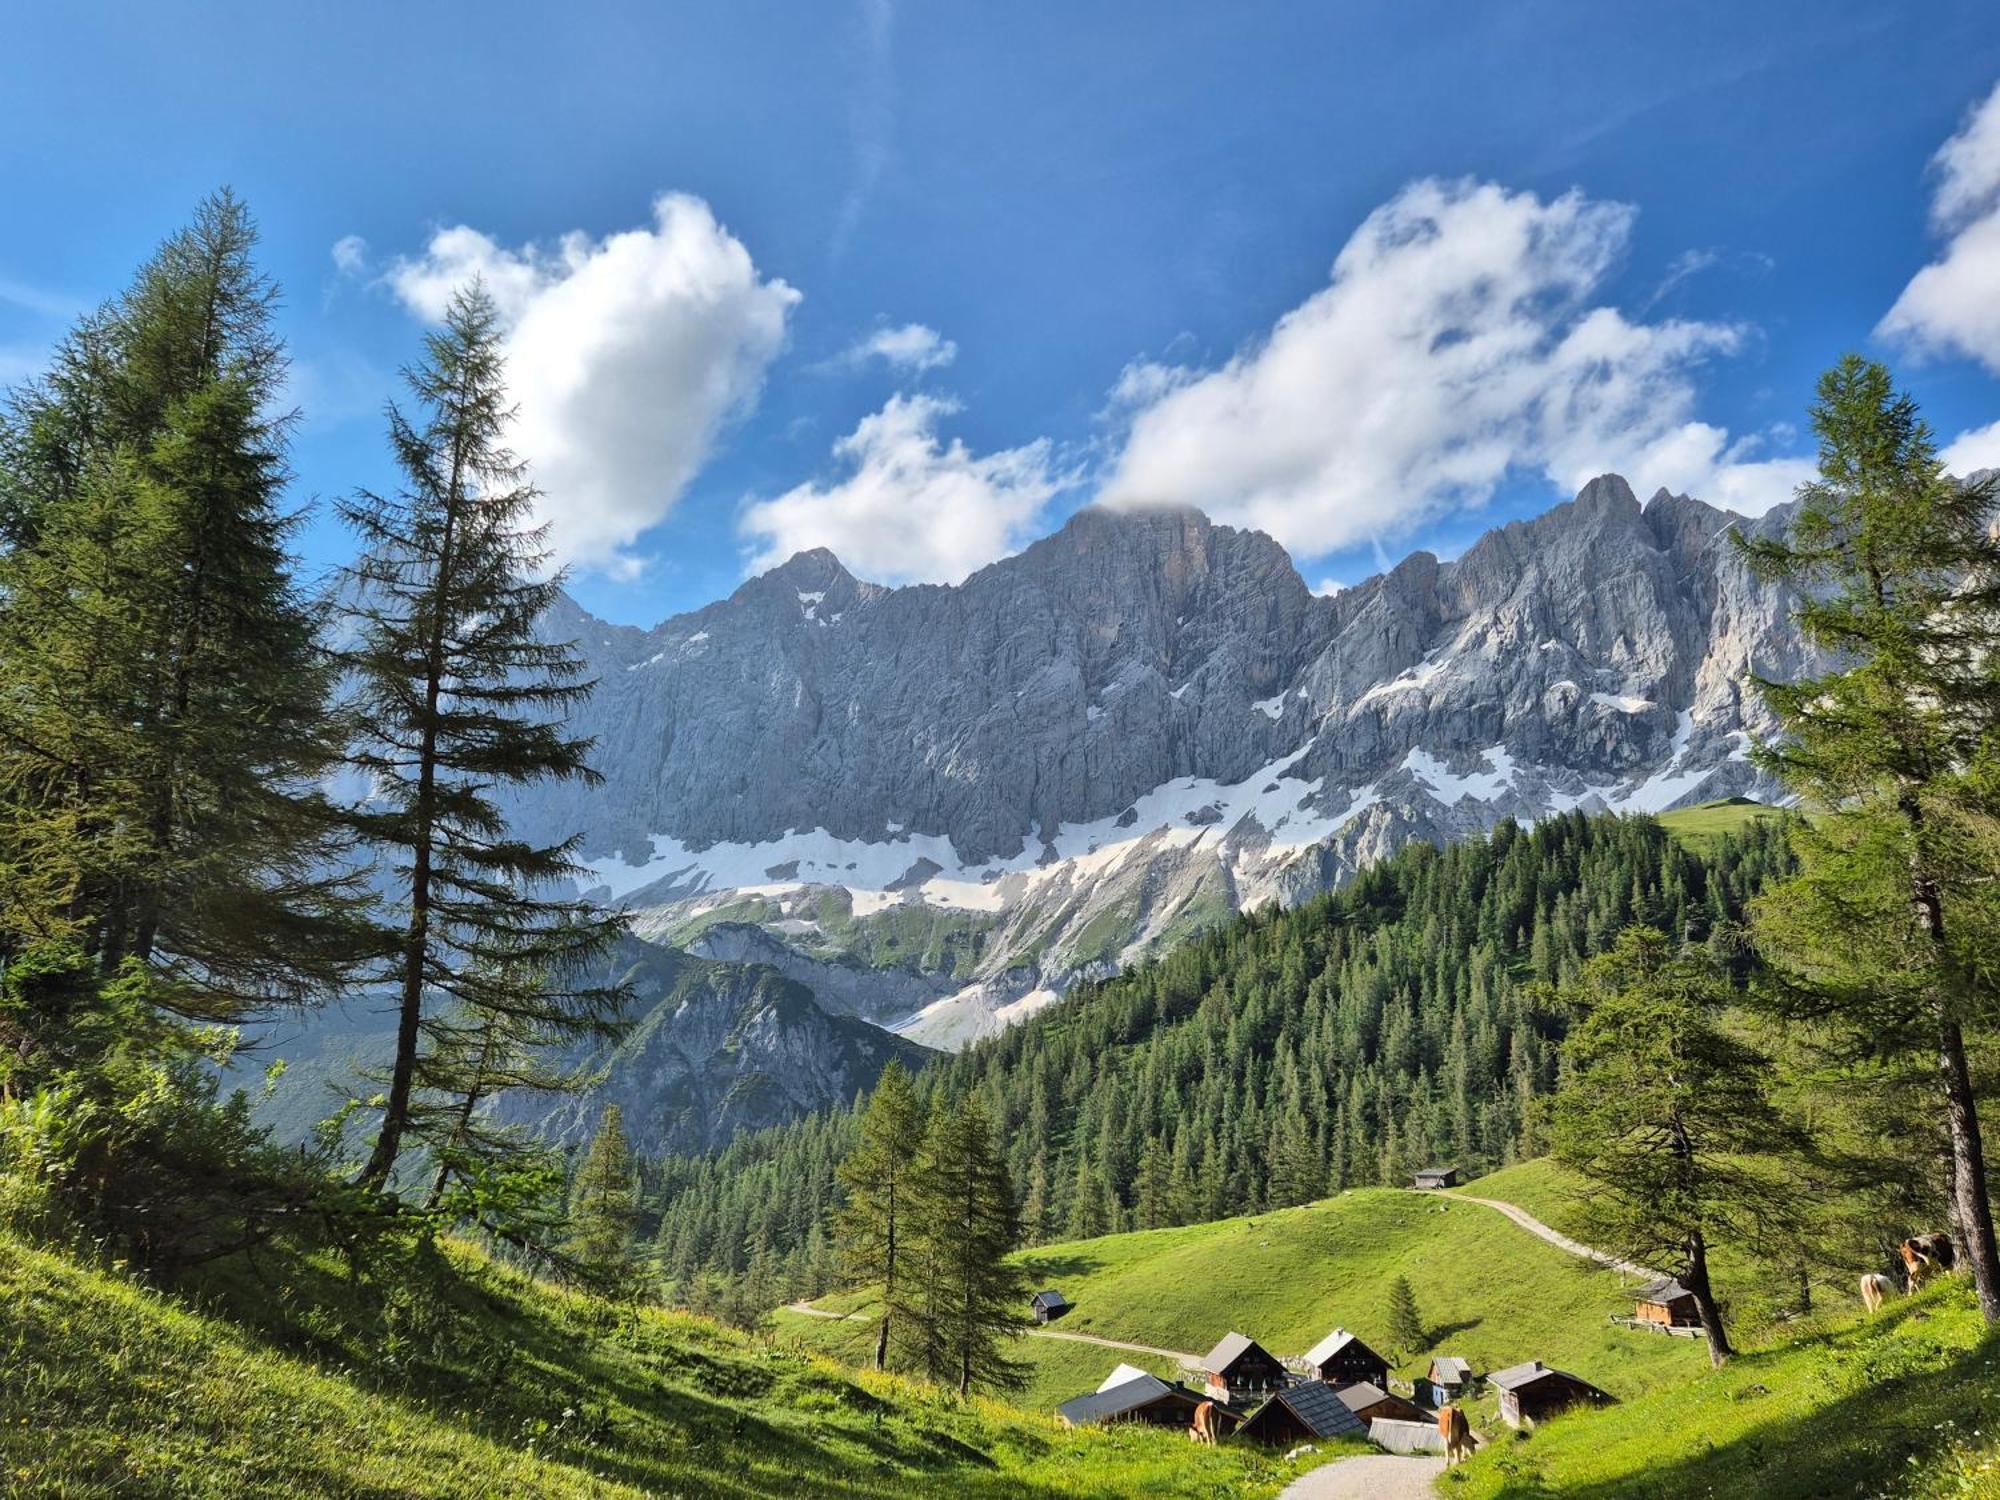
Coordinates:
(1273, 1059)
(877, 1227)
(1885, 939)
(457, 695)
(1406, 1324)
(604, 1208)
(1668, 1117)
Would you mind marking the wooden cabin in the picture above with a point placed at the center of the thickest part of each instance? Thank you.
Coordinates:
(1341, 1357)
(1148, 1399)
(1449, 1380)
(1369, 1401)
(1239, 1369)
(1667, 1303)
(1302, 1413)
(1534, 1392)
(1048, 1306)
(1437, 1177)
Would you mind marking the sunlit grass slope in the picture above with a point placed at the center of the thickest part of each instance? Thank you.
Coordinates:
(1708, 822)
(107, 1388)
(1486, 1290)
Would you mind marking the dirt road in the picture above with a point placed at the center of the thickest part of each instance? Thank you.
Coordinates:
(1377, 1477)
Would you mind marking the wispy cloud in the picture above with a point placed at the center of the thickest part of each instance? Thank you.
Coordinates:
(38, 300)
(910, 349)
(872, 118)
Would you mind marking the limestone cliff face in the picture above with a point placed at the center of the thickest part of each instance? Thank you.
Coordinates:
(943, 805)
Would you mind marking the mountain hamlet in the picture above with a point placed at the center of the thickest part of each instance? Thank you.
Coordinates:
(852, 1040)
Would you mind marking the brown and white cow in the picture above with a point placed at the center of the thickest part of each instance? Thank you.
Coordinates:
(1457, 1435)
(1875, 1289)
(1207, 1425)
(1918, 1264)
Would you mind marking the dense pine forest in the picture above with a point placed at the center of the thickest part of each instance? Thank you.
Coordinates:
(1283, 1056)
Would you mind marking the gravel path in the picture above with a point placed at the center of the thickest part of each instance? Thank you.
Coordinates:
(1377, 1477)
(1034, 1333)
(1535, 1226)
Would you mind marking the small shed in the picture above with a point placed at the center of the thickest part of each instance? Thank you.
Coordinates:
(1147, 1399)
(1667, 1303)
(1438, 1177)
(1300, 1413)
(1534, 1392)
(1239, 1366)
(1369, 1401)
(1048, 1306)
(1449, 1380)
(1341, 1357)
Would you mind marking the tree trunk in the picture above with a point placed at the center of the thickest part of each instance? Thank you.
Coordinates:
(1704, 1301)
(1975, 1210)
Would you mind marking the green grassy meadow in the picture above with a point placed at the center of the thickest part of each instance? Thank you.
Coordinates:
(1705, 824)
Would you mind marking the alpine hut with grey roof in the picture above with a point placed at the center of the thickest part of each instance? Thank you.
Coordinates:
(1239, 1367)
(1534, 1392)
(1300, 1413)
(1448, 1380)
(1048, 1306)
(1147, 1399)
(1667, 1303)
(1341, 1356)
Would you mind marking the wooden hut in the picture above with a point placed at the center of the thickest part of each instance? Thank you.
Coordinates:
(1147, 1399)
(1301, 1413)
(1369, 1401)
(1341, 1357)
(1667, 1303)
(1437, 1177)
(1449, 1380)
(1534, 1392)
(1240, 1368)
(1048, 1306)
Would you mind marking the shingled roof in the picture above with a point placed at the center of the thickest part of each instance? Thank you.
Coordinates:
(1319, 1408)
(1101, 1406)
(1232, 1347)
(1449, 1369)
(1359, 1395)
(1666, 1289)
(1332, 1344)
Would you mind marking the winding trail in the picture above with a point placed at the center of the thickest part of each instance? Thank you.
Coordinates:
(1379, 1476)
(1181, 1355)
(1561, 1241)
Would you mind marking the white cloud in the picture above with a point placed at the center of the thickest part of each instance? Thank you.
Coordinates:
(1972, 451)
(1455, 344)
(911, 349)
(627, 355)
(912, 508)
(1952, 306)
(350, 255)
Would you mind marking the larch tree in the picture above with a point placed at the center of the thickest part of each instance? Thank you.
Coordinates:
(167, 725)
(1406, 1324)
(457, 697)
(974, 1293)
(1881, 935)
(878, 1225)
(1667, 1117)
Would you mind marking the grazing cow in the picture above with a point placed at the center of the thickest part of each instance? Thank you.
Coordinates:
(1938, 1248)
(1207, 1425)
(1457, 1435)
(1918, 1266)
(1875, 1287)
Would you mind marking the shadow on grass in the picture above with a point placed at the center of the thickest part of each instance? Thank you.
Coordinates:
(1043, 1268)
(1436, 1336)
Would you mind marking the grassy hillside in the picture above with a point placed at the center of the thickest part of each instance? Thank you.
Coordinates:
(1703, 827)
(1486, 1289)
(1899, 1404)
(501, 1386)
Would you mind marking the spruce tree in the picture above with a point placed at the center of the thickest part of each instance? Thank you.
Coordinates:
(1898, 572)
(604, 1206)
(1406, 1325)
(878, 1224)
(1668, 1117)
(458, 696)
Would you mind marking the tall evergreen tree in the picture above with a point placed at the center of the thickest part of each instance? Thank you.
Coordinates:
(1668, 1117)
(604, 1206)
(974, 1294)
(1406, 1324)
(878, 1225)
(459, 695)
(166, 724)
(1898, 569)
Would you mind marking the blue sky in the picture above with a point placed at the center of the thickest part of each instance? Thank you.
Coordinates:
(915, 281)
